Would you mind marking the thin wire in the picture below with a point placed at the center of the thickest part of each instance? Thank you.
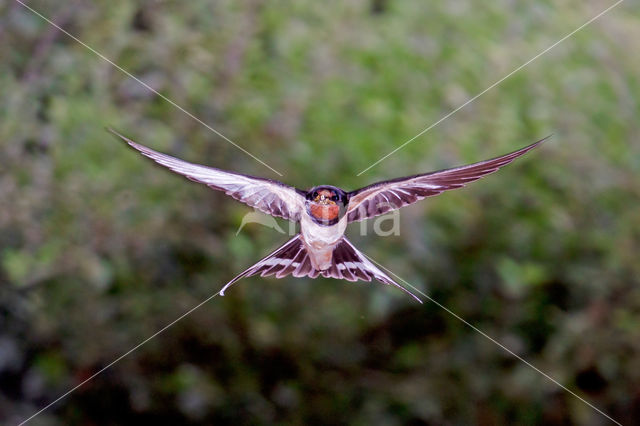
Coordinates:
(492, 86)
(148, 87)
(467, 323)
(118, 359)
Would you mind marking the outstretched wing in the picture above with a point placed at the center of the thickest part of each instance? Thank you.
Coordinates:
(269, 196)
(292, 258)
(381, 197)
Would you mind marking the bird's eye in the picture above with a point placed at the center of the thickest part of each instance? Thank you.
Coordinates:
(334, 198)
(315, 194)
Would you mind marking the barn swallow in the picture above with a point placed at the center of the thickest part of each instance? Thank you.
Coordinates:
(320, 248)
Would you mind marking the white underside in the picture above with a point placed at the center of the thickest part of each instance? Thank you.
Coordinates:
(321, 240)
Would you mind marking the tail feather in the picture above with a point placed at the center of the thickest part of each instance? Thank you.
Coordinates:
(292, 258)
(351, 260)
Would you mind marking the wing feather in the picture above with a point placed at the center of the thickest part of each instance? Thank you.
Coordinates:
(269, 196)
(385, 196)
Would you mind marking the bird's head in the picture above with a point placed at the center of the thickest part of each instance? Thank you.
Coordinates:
(325, 195)
(326, 203)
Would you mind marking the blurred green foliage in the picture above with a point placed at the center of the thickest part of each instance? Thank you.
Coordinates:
(99, 249)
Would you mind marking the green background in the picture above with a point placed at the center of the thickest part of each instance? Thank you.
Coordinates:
(99, 249)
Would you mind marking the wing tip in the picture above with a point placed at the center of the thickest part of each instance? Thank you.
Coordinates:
(141, 148)
(537, 143)
(116, 133)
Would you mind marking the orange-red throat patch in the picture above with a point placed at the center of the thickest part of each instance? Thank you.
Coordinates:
(326, 212)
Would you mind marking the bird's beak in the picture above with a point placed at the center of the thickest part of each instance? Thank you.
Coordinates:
(323, 199)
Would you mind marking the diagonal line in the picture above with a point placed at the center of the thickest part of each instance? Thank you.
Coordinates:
(467, 323)
(148, 87)
(118, 359)
(492, 86)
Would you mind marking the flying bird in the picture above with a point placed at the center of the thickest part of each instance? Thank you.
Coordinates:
(320, 248)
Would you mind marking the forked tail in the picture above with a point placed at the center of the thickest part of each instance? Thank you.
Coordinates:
(292, 259)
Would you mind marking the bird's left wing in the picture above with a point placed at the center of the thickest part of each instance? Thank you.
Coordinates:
(381, 197)
(269, 196)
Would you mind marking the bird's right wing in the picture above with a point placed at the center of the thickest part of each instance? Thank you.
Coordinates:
(269, 196)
